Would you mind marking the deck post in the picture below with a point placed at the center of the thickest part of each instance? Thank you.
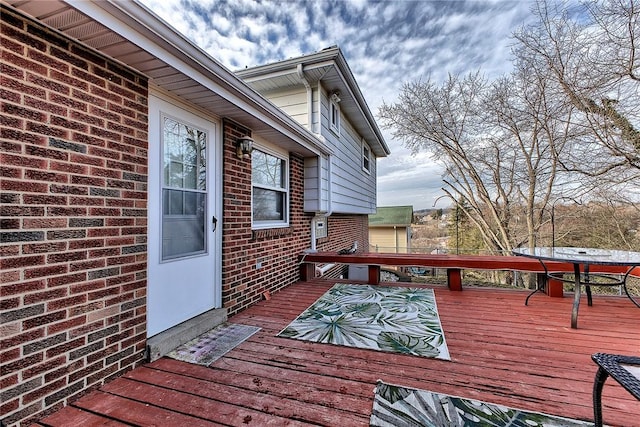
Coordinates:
(307, 271)
(454, 279)
(374, 274)
(554, 288)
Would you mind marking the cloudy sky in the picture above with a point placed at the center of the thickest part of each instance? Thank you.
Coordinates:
(386, 43)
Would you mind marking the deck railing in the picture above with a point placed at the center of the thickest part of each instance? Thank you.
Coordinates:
(453, 264)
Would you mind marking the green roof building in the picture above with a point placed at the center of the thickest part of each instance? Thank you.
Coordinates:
(390, 229)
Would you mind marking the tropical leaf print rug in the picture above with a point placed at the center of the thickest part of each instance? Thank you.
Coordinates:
(394, 319)
(396, 406)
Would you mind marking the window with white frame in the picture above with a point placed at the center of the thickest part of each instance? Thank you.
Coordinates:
(366, 158)
(270, 189)
(334, 113)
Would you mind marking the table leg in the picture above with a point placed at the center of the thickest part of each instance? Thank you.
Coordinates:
(601, 376)
(634, 299)
(537, 289)
(541, 283)
(587, 287)
(576, 297)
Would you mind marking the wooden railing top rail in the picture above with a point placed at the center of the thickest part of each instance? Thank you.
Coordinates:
(470, 262)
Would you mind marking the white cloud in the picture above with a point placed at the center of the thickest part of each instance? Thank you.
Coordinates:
(386, 43)
(405, 179)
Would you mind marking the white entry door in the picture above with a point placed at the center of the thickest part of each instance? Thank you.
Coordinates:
(183, 243)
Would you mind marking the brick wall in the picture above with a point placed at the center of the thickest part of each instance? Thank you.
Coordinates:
(277, 249)
(73, 216)
(343, 230)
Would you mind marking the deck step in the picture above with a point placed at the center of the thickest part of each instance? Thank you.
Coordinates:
(162, 343)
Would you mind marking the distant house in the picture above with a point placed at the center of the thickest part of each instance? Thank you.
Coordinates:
(135, 213)
(390, 229)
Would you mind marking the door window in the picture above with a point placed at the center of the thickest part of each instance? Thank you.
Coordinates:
(184, 196)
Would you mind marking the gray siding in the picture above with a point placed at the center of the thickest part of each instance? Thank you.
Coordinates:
(353, 191)
(316, 184)
(293, 102)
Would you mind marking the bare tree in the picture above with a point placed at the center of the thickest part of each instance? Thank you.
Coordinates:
(566, 121)
(591, 53)
(499, 142)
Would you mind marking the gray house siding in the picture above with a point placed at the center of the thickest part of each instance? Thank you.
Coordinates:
(292, 101)
(353, 190)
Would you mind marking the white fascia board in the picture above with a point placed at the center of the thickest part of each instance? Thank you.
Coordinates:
(327, 57)
(279, 73)
(350, 81)
(136, 23)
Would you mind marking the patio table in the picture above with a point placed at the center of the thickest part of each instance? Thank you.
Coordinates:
(583, 257)
(624, 369)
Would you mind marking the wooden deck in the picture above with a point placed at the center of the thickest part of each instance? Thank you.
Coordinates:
(502, 352)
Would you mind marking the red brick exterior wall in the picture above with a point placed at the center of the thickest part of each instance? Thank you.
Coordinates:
(343, 230)
(73, 216)
(276, 250)
(73, 212)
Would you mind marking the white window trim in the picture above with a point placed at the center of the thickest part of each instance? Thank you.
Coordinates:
(282, 155)
(335, 127)
(366, 149)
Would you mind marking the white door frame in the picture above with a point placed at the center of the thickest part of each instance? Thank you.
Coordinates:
(163, 300)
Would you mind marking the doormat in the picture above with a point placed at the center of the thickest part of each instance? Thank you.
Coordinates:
(212, 345)
(395, 406)
(382, 318)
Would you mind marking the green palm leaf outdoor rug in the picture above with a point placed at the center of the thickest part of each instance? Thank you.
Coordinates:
(394, 319)
(396, 406)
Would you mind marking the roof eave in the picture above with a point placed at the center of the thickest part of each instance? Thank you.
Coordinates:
(329, 56)
(345, 71)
